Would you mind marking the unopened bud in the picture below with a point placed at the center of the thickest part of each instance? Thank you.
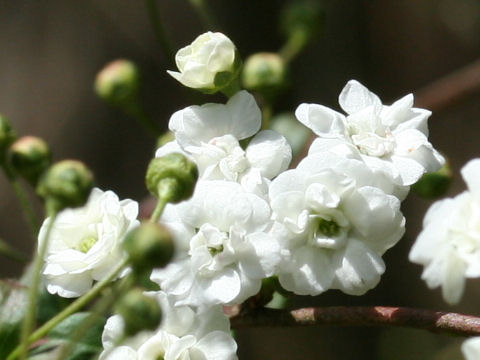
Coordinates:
(118, 82)
(434, 185)
(149, 246)
(172, 177)
(66, 184)
(264, 72)
(7, 137)
(29, 157)
(139, 312)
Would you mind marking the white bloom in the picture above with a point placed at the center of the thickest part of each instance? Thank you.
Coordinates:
(85, 243)
(449, 245)
(210, 134)
(229, 253)
(199, 62)
(333, 224)
(471, 348)
(183, 334)
(392, 140)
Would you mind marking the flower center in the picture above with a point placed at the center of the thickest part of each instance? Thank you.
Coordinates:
(86, 243)
(371, 137)
(327, 233)
(214, 250)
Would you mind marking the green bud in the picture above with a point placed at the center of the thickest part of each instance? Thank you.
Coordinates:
(7, 137)
(139, 312)
(118, 82)
(264, 72)
(172, 177)
(149, 246)
(29, 157)
(65, 184)
(294, 131)
(304, 17)
(434, 185)
(165, 138)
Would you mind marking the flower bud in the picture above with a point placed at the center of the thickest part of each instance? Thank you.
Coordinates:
(305, 17)
(149, 246)
(139, 312)
(118, 82)
(264, 72)
(209, 64)
(65, 184)
(434, 185)
(29, 157)
(172, 177)
(7, 137)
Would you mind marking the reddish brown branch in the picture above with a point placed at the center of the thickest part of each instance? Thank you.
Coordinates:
(435, 321)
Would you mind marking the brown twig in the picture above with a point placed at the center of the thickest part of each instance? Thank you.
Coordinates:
(434, 321)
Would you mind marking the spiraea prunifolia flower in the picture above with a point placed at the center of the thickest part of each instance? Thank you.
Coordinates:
(85, 243)
(333, 225)
(391, 140)
(184, 333)
(449, 245)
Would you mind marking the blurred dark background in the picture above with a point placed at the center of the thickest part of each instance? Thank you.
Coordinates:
(51, 50)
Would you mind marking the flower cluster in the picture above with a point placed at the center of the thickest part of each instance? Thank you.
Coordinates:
(324, 224)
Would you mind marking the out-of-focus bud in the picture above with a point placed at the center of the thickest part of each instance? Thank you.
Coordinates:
(434, 185)
(65, 184)
(210, 63)
(172, 177)
(264, 72)
(305, 17)
(118, 82)
(139, 312)
(149, 246)
(7, 137)
(165, 138)
(29, 157)
(294, 131)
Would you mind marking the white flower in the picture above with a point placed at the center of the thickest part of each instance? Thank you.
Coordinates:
(449, 245)
(199, 63)
(183, 334)
(85, 243)
(392, 140)
(210, 134)
(229, 253)
(333, 224)
(471, 348)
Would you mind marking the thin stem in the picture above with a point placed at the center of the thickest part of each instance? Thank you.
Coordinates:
(136, 110)
(10, 252)
(26, 206)
(157, 213)
(267, 112)
(29, 320)
(69, 310)
(159, 30)
(435, 321)
(295, 43)
(204, 13)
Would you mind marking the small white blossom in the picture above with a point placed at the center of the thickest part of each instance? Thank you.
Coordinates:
(334, 226)
(199, 62)
(449, 245)
(391, 140)
(229, 253)
(85, 243)
(210, 134)
(183, 334)
(471, 348)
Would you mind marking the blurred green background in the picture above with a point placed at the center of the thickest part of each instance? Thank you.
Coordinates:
(51, 50)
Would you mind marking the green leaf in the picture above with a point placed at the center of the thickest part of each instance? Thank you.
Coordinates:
(84, 349)
(13, 303)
